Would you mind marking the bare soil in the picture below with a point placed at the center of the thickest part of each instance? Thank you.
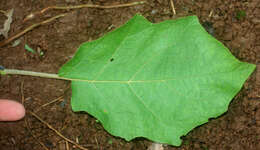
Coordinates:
(236, 23)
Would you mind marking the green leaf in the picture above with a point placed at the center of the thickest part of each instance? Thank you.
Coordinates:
(29, 49)
(157, 81)
(241, 14)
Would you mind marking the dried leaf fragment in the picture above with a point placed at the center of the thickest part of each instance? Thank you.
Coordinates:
(7, 23)
(155, 146)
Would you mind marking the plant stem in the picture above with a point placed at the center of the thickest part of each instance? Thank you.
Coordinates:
(31, 73)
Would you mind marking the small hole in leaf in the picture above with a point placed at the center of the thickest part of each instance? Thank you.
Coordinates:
(112, 59)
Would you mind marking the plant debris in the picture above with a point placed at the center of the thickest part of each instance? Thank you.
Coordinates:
(155, 146)
(29, 49)
(7, 23)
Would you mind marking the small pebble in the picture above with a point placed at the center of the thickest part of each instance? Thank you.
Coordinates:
(154, 11)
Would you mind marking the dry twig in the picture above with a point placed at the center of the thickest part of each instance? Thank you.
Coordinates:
(30, 131)
(22, 93)
(53, 101)
(32, 15)
(27, 122)
(58, 133)
(173, 8)
(67, 145)
(97, 142)
(211, 13)
(93, 6)
(3, 43)
(2, 11)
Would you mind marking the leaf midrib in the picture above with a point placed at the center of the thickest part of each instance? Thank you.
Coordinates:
(154, 80)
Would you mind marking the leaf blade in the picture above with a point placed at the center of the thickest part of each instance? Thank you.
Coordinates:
(157, 81)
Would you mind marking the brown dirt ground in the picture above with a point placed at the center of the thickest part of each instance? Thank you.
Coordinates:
(238, 129)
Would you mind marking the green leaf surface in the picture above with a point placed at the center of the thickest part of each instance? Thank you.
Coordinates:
(157, 81)
(29, 49)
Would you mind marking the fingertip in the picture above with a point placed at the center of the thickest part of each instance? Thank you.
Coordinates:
(20, 112)
(11, 110)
